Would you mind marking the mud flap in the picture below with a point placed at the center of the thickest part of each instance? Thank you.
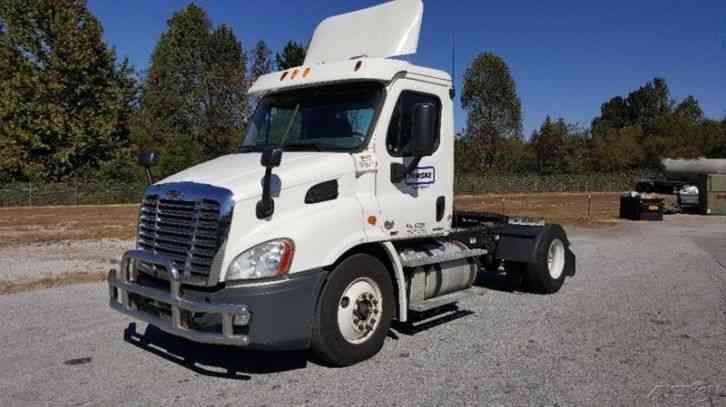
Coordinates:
(570, 263)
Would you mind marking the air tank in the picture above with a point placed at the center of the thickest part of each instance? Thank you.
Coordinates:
(692, 170)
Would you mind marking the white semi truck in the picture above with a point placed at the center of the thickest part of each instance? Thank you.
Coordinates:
(337, 215)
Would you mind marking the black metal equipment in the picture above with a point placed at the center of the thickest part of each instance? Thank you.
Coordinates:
(639, 208)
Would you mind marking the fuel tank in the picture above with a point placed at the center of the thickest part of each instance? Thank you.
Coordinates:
(441, 278)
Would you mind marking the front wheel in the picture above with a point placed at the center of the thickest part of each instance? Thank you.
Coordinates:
(354, 312)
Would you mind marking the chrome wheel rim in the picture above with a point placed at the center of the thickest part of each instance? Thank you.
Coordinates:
(360, 310)
(556, 259)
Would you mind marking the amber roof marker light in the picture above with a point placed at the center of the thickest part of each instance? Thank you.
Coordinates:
(307, 72)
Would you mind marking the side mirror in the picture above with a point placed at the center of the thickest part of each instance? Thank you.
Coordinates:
(271, 158)
(148, 159)
(424, 121)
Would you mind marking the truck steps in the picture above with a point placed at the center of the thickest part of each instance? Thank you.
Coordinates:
(439, 302)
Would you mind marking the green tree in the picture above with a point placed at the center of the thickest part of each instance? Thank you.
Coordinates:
(713, 138)
(292, 55)
(261, 61)
(194, 99)
(641, 108)
(64, 101)
(550, 146)
(718, 149)
(617, 149)
(507, 156)
(667, 129)
(673, 136)
(494, 110)
(227, 98)
(615, 114)
(690, 109)
(649, 103)
(578, 151)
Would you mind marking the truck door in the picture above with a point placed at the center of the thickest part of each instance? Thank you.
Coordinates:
(421, 203)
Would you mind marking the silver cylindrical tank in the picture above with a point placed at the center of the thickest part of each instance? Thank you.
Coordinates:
(441, 278)
(693, 169)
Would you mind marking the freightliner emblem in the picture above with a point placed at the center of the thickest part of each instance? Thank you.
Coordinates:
(175, 195)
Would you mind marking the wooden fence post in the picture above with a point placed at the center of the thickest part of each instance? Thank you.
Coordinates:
(589, 205)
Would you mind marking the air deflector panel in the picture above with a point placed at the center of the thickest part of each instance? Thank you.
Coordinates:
(389, 30)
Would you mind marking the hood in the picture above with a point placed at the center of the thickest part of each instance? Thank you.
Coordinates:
(242, 173)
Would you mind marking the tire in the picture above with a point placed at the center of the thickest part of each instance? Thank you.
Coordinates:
(337, 340)
(548, 273)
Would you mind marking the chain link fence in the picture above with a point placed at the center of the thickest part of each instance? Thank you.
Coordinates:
(72, 193)
(509, 184)
(90, 193)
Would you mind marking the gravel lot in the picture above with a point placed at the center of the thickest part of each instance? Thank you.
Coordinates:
(642, 323)
(34, 261)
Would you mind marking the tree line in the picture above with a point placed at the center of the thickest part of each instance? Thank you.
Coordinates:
(632, 132)
(71, 109)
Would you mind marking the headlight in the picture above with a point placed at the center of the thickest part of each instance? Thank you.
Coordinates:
(269, 259)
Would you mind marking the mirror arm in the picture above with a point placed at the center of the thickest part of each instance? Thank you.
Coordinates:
(149, 175)
(399, 172)
(266, 205)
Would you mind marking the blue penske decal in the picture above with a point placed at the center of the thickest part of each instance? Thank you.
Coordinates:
(421, 177)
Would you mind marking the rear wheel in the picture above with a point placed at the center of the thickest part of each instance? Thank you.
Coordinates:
(354, 312)
(548, 274)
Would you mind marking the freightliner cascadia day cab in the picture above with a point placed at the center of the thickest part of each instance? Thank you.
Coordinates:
(337, 215)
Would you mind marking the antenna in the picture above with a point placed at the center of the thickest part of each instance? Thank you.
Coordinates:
(453, 66)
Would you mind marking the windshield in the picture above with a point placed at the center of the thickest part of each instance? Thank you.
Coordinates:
(327, 118)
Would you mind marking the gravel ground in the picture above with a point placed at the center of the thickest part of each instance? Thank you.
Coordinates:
(30, 262)
(642, 323)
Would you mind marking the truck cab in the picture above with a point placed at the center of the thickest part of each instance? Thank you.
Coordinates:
(337, 215)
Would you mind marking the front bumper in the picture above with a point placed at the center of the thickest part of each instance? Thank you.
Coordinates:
(123, 285)
(270, 315)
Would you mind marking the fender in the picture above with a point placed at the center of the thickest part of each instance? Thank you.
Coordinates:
(519, 243)
(400, 280)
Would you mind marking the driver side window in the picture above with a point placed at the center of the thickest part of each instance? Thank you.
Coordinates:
(398, 139)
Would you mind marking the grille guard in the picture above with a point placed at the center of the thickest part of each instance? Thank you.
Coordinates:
(123, 282)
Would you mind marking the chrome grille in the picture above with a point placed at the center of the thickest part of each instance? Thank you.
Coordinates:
(186, 227)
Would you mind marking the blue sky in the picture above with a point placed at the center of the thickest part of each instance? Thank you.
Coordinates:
(567, 57)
